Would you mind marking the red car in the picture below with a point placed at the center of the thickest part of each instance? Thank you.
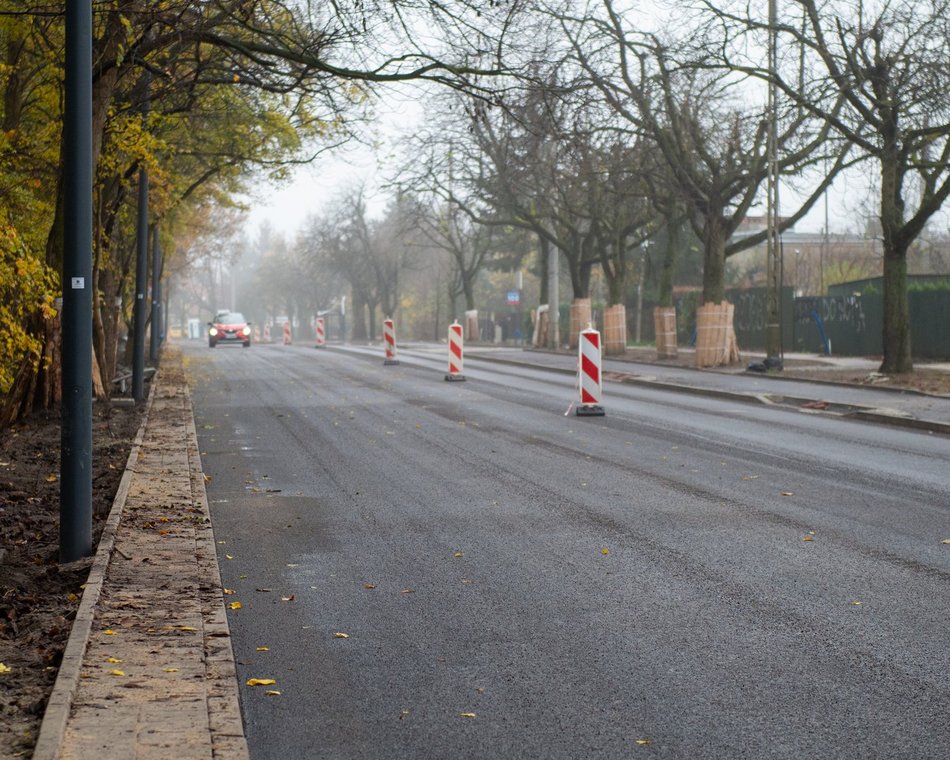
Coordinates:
(229, 327)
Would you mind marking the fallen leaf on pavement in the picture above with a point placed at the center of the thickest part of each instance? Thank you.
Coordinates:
(458, 554)
(5, 668)
(605, 551)
(408, 591)
(272, 693)
(644, 742)
(229, 592)
(750, 477)
(468, 715)
(263, 649)
(787, 493)
(51, 478)
(170, 670)
(187, 628)
(946, 541)
(116, 672)
(113, 660)
(109, 632)
(235, 605)
(260, 681)
(369, 586)
(807, 538)
(341, 635)
(290, 598)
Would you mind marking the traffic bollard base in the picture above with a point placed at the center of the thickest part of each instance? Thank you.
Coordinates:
(455, 378)
(391, 363)
(590, 410)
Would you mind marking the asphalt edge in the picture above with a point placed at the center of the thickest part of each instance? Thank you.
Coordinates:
(53, 726)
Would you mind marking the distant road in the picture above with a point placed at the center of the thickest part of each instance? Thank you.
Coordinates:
(686, 577)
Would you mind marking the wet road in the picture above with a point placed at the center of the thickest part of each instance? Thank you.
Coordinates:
(685, 577)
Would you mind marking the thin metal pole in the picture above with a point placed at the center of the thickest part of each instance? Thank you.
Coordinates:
(773, 327)
(141, 277)
(75, 487)
(156, 331)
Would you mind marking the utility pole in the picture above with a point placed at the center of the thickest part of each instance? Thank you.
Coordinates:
(75, 482)
(773, 326)
(141, 273)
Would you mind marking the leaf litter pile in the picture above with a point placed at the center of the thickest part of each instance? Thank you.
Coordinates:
(38, 596)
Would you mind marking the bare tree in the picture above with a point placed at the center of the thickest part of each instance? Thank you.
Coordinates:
(887, 62)
(674, 91)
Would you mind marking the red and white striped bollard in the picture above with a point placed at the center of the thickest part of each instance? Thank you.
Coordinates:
(455, 353)
(389, 339)
(319, 329)
(288, 336)
(591, 380)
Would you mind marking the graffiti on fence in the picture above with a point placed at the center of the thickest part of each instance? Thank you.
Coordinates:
(848, 310)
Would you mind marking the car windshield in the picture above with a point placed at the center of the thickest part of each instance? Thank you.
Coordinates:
(230, 318)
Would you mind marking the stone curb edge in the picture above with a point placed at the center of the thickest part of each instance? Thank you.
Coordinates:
(856, 413)
(224, 709)
(53, 727)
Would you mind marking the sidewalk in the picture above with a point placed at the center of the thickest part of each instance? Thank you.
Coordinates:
(148, 672)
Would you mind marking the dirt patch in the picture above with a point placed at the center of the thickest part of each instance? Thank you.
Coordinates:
(38, 596)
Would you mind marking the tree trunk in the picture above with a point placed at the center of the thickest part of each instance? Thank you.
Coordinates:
(665, 295)
(896, 314)
(895, 338)
(714, 260)
(544, 248)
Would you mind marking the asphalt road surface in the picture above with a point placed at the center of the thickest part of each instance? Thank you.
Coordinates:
(686, 577)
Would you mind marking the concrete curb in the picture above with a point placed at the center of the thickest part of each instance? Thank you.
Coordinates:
(53, 727)
(848, 411)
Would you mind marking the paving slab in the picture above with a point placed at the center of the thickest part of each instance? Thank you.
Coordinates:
(149, 671)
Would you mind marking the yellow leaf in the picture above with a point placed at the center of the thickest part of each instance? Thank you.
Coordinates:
(109, 632)
(272, 693)
(235, 605)
(263, 649)
(117, 672)
(229, 592)
(170, 670)
(856, 602)
(187, 628)
(605, 551)
(787, 493)
(113, 660)
(468, 715)
(458, 554)
(946, 541)
(260, 681)
(807, 538)
(341, 635)
(5, 668)
(51, 478)
(229, 556)
(644, 742)
(72, 598)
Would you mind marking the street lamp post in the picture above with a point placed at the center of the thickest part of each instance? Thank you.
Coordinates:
(644, 246)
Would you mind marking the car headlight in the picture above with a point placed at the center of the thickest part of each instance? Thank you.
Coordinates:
(213, 331)
(246, 330)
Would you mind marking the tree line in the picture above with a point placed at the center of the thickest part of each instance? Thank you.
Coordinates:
(585, 129)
